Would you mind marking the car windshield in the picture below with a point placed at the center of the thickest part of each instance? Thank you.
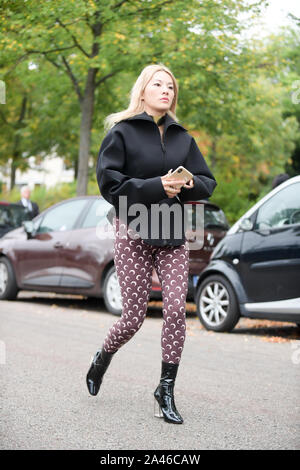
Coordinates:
(12, 215)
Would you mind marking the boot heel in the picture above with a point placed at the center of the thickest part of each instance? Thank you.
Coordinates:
(164, 394)
(157, 410)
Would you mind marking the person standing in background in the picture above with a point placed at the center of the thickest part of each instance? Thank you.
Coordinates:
(25, 201)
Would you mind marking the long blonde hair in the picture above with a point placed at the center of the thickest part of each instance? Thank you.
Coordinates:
(136, 105)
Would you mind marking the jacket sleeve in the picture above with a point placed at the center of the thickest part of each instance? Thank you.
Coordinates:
(113, 182)
(204, 181)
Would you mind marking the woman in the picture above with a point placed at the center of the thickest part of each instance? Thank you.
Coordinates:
(144, 143)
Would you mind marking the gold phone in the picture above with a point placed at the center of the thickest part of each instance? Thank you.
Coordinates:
(181, 173)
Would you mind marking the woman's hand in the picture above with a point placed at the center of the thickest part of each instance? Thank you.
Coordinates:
(189, 184)
(173, 187)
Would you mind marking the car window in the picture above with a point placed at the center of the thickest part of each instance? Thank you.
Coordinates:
(215, 218)
(96, 213)
(12, 216)
(281, 209)
(194, 214)
(62, 217)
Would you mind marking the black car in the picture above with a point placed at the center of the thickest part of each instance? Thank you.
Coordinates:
(11, 217)
(255, 269)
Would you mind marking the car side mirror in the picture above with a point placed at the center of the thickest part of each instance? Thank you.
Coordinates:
(246, 225)
(29, 228)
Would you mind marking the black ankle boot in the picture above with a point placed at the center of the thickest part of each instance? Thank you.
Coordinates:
(98, 368)
(164, 394)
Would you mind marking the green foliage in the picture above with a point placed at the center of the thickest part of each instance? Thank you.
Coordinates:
(237, 91)
(231, 197)
(67, 41)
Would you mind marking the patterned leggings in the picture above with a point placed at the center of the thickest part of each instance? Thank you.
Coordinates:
(134, 261)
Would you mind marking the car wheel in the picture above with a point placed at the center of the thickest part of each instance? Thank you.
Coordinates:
(112, 293)
(217, 307)
(8, 285)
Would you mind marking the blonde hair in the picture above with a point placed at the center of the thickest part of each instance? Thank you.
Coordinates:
(136, 104)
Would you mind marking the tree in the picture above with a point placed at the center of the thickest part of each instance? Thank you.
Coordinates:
(290, 77)
(35, 123)
(92, 41)
(12, 118)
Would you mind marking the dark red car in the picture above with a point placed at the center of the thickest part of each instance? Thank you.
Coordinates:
(68, 249)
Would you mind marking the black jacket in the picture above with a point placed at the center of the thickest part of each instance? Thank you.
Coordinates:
(131, 161)
(35, 208)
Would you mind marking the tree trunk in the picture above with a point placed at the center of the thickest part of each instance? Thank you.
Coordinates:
(213, 153)
(87, 109)
(76, 168)
(12, 173)
(16, 155)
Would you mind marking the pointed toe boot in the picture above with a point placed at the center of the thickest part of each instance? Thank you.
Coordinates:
(97, 370)
(164, 402)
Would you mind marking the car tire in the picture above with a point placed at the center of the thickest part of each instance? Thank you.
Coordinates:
(111, 292)
(8, 285)
(217, 306)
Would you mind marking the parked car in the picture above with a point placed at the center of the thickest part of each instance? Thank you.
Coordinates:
(11, 216)
(255, 269)
(68, 249)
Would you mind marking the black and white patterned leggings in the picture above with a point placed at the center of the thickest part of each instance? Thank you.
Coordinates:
(134, 261)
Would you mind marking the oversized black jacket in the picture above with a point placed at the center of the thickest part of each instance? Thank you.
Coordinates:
(131, 161)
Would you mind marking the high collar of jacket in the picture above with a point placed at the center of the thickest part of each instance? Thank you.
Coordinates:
(168, 120)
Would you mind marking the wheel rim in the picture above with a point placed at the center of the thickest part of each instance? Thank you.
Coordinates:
(214, 303)
(3, 278)
(113, 292)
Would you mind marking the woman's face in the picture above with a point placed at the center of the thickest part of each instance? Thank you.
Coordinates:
(159, 94)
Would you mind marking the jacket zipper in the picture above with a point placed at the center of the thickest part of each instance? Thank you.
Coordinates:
(164, 156)
(163, 147)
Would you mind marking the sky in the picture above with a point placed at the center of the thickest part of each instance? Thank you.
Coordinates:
(275, 15)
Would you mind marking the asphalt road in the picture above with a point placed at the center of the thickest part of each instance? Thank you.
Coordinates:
(234, 391)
